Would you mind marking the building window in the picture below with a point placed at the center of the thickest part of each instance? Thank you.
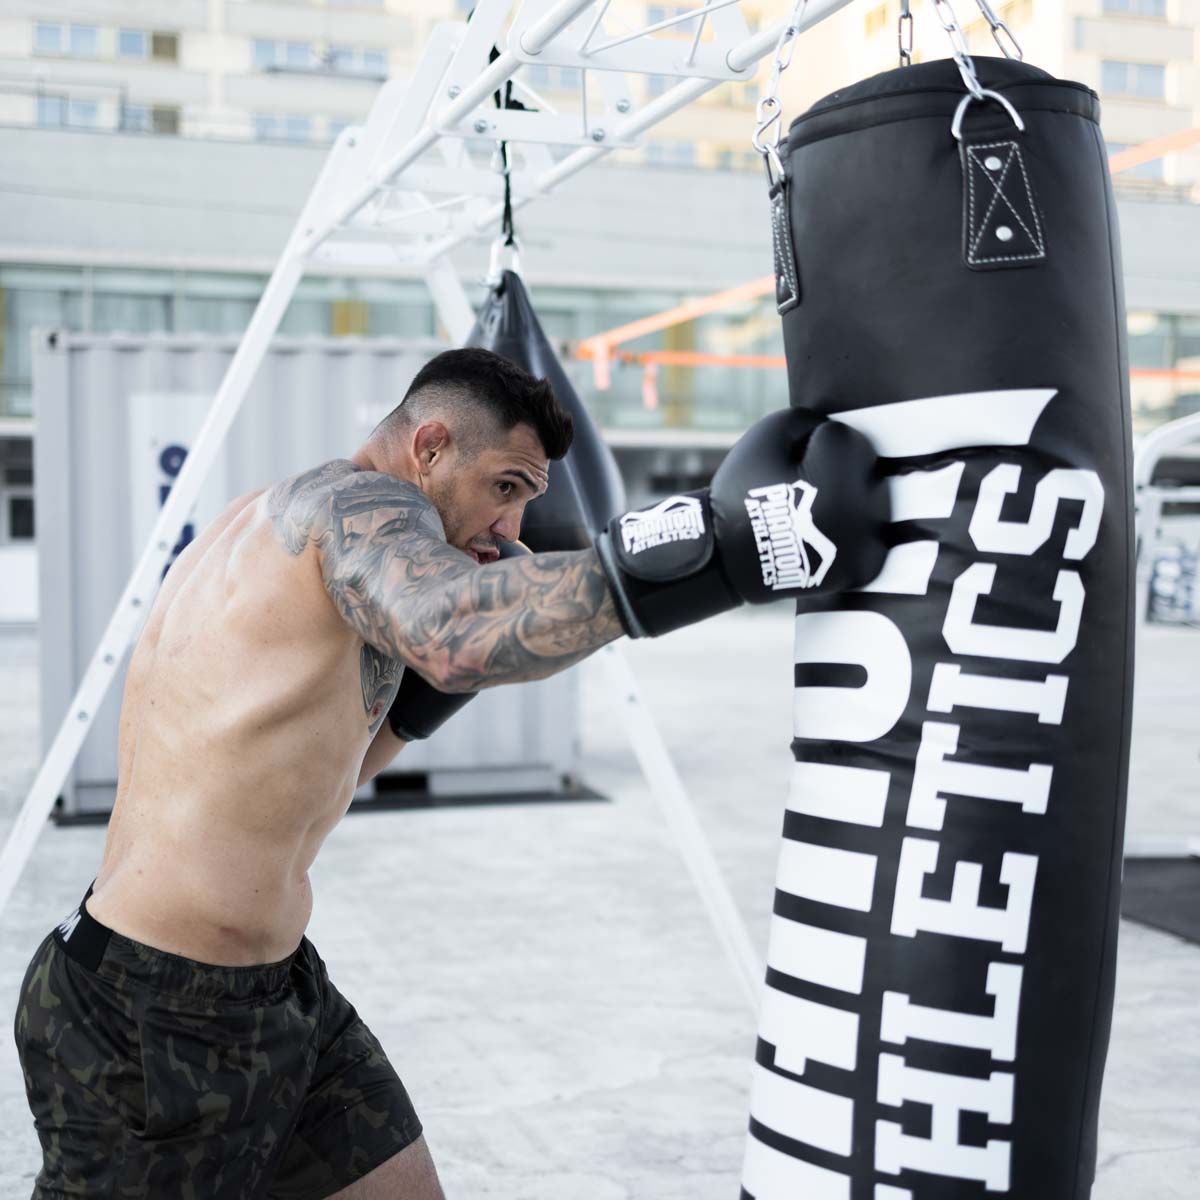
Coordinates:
(164, 47)
(51, 111)
(283, 56)
(875, 20)
(83, 41)
(59, 112)
(671, 154)
(79, 41)
(133, 43)
(48, 39)
(662, 12)
(164, 118)
(1144, 81)
(354, 60)
(1137, 8)
(281, 127)
(20, 516)
(135, 118)
(563, 79)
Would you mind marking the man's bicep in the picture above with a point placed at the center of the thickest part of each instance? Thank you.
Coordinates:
(381, 545)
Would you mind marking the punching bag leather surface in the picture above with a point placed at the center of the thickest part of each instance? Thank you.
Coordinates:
(585, 490)
(942, 951)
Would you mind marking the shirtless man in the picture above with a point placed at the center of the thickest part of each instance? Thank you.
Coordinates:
(178, 1034)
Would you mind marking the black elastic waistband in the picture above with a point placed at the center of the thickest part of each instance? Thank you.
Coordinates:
(82, 937)
(100, 950)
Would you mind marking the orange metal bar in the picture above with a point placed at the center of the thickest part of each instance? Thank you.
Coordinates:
(1135, 156)
(1162, 373)
(695, 358)
(600, 346)
(688, 311)
(698, 358)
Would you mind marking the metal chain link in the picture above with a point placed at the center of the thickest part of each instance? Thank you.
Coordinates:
(904, 34)
(1009, 46)
(958, 46)
(769, 112)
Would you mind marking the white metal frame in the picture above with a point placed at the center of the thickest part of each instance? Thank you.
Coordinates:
(1150, 499)
(403, 190)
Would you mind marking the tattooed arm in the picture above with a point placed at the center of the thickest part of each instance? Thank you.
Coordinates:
(412, 597)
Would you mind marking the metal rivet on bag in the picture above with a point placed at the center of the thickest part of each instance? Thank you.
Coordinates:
(992, 163)
(1004, 233)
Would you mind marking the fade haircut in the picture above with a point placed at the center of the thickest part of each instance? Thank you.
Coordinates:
(482, 394)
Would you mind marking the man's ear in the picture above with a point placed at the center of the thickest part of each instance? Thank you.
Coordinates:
(430, 441)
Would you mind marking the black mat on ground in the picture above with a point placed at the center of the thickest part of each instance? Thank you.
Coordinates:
(1163, 893)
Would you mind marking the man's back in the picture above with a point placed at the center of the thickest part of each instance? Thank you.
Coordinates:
(245, 718)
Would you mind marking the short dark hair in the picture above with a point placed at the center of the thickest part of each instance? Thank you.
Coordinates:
(473, 383)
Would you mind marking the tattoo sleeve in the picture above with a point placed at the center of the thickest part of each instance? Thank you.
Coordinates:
(412, 597)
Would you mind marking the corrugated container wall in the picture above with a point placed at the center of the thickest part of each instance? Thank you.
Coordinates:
(115, 417)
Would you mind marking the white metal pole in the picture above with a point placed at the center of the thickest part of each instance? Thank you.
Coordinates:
(668, 790)
(139, 591)
(450, 299)
(739, 58)
(1159, 441)
(489, 80)
(534, 40)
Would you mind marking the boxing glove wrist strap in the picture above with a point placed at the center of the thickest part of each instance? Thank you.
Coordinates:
(662, 566)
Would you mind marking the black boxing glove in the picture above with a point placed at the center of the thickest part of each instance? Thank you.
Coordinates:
(419, 708)
(797, 508)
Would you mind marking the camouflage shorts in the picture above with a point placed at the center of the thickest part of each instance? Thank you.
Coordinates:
(150, 1075)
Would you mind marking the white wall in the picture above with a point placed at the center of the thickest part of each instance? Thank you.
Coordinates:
(18, 585)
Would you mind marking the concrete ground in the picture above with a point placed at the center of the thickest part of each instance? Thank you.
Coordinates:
(545, 979)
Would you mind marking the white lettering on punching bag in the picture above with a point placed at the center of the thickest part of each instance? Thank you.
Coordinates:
(948, 1097)
(862, 639)
(936, 773)
(962, 915)
(989, 532)
(964, 636)
(997, 1034)
(951, 687)
(802, 1029)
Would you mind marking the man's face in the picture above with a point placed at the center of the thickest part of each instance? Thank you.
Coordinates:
(482, 497)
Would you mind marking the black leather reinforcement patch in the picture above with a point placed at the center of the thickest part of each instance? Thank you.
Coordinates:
(1001, 224)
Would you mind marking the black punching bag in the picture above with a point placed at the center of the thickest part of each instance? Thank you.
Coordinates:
(585, 490)
(942, 951)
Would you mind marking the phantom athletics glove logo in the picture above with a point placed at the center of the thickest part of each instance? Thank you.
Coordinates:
(792, 551)
(675, 519)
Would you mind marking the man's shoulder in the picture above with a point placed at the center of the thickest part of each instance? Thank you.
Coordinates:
(322, 501)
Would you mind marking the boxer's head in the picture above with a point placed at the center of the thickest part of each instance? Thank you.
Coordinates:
(475, 433)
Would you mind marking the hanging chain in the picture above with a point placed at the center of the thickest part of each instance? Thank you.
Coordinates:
(904, 34)
(1009, 46)
(769, 112)
(958, 47)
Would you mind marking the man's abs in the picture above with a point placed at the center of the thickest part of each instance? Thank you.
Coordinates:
(242, 730)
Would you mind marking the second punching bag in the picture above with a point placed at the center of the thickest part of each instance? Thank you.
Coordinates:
(586, 490)
(942, 952)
